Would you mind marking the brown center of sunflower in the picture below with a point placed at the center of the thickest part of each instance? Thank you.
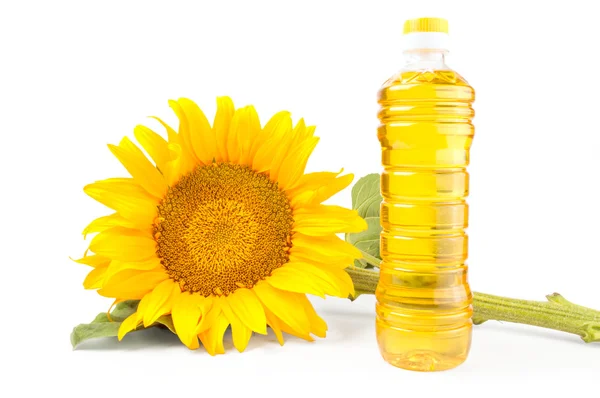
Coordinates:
(222, 227)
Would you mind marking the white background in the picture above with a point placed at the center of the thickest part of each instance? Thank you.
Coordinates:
(75, 76)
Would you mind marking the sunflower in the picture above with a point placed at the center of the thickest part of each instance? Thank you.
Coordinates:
(221, 228)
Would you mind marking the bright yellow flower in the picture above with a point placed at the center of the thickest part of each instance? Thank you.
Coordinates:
(221, 228)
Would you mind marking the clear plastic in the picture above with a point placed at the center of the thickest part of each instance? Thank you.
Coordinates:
(423, 296)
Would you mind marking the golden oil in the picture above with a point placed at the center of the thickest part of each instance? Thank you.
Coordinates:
(423, 297)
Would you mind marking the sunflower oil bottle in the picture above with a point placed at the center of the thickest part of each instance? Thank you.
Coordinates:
(423, 297)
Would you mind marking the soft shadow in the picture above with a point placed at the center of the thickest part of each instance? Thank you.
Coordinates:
(347, 321)
(162, 338)
(142, 339)
(342, 325)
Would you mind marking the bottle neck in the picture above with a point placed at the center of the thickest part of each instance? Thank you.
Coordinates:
(425, 59)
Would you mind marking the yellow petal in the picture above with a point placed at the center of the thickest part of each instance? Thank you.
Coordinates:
(94, 261)
(247, 307)
(210, 312)
(333, 281)
(225, 111)
(301, 133)
(293, 280)
(152, 264)
(212, 339)
(124, 244)
(202, 136)
(140, 168)
(132, 284)
(130, 323)
(261, 137)
(328, 249)
(129, 199)
(95, 278)
(180, 160)
(293, 166)
(279, 326)
(314, 181)
(302, 199)
(288, 146)
(176, 166)
(141, 308)
(154, 144)
(318, 327)
(186, 313)
(275, 324)
(285, 305)
(184, 139)
(103, 223)
(160, 301)
(171, 134)
(335, 186)
(305, 256)
(278, 127)
(184, 135)
(240, 136)
(314, 188)
(324, 220)
(249, 134)
(342, 279)
(279, 153)
(240, 333)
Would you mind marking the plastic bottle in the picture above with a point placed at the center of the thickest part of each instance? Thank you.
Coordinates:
(423, 297)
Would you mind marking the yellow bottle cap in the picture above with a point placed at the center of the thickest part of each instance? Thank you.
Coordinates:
(439, 25)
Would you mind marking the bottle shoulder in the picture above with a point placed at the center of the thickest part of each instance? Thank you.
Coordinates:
(427, 84)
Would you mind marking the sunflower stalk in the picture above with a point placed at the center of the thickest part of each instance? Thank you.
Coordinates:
(557, 313)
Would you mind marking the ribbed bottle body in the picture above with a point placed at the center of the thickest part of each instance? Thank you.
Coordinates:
(423, 297)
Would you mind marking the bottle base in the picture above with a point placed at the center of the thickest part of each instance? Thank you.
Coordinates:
(423, 361)
(424, 351)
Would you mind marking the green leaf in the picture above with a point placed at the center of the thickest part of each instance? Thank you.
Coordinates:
(93, 330)
(123, 310)
(101, 317)
(366, 196)
(366, 199)
(367, 241)
(102, 326)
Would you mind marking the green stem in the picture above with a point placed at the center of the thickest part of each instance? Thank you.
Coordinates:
(365, 280)
(374, 261)
(557, 313)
